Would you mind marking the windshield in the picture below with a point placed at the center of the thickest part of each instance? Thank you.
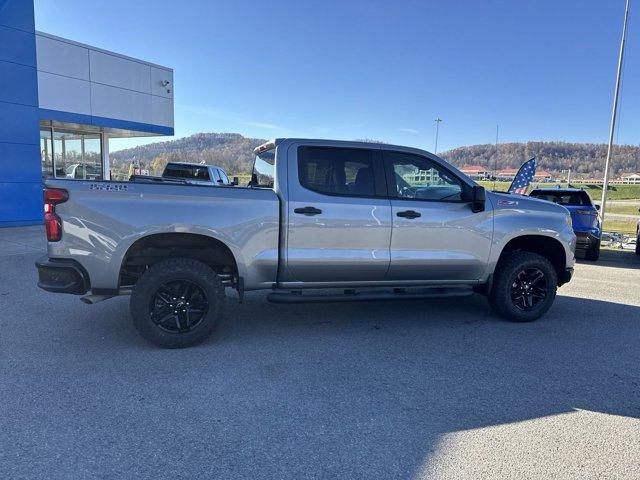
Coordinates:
(577, 199)
(264, 169)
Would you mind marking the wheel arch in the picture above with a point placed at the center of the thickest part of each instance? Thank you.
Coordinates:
(152, 248)
(546, 246)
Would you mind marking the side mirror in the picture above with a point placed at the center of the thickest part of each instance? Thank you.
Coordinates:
(235, 181)
(597, 207)
(478, 199)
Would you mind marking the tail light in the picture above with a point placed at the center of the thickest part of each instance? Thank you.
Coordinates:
(52, 222)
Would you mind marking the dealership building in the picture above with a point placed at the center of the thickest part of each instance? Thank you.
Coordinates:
(60, 103)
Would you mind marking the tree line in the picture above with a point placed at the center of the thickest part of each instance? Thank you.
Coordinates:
(234, 153)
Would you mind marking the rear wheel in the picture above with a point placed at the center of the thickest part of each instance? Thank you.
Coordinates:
(593, 253)
(177, 302)
(524, 287)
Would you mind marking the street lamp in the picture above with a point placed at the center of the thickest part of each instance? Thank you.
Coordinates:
(614, 111)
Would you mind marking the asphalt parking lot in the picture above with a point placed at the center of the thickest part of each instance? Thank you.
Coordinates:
(412, 389)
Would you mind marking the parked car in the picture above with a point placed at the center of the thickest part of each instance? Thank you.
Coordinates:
(584, 217)
(348, 220)
(81, 171)
(198, 174)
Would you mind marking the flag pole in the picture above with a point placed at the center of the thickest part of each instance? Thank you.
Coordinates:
(614, 112)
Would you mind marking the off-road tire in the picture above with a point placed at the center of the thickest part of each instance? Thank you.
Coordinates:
(504, 277)
(176, 269)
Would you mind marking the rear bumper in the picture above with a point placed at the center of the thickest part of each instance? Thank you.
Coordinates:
(584, 240)
(62, 275)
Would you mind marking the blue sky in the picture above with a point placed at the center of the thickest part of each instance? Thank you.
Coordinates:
(542, 70)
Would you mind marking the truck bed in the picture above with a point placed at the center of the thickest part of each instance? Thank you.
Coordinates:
(102, 220)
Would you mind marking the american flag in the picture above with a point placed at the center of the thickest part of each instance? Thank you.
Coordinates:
(523, 178)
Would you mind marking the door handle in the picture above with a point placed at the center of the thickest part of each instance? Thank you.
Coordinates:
(308, 211)
(408, 214)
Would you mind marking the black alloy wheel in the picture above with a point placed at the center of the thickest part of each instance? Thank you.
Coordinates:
(529, 289)
(178, 306)
(176, 302)
(524, 286)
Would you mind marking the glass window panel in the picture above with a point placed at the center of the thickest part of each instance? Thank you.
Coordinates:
(46, 152)
(336, 171)
(92, 157)
(77, 155)
(418, 178)
(67, 147)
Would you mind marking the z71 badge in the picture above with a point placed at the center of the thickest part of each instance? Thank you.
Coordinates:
(109, 187)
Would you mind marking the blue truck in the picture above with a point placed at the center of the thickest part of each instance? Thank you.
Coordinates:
(584, 217)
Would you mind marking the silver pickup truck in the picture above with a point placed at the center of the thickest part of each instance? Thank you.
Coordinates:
(320, 221)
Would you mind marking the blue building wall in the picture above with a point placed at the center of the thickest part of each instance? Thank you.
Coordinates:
(20, 172)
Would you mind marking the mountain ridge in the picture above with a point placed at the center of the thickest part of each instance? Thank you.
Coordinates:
(234, 153)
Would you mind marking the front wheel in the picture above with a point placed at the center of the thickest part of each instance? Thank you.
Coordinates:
(177, 302)
(524, 287)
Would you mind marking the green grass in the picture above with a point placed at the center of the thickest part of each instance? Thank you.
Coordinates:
(623, 209)
(622, 225)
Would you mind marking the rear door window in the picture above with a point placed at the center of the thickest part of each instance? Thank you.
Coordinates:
(337, 171)
(264, 170)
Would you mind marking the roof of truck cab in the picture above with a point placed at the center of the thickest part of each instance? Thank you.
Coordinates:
(351, 143)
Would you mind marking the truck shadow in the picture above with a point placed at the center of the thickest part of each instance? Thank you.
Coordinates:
(350, 390)
(368, 390)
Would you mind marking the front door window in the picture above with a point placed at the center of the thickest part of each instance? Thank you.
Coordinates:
(419, 179)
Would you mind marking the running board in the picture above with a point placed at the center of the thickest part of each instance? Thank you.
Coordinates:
(353, 296)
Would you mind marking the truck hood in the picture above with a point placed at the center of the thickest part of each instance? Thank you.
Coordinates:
(502, 201)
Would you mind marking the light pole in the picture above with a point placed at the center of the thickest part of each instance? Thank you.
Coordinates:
(437, 120)
(614, 111)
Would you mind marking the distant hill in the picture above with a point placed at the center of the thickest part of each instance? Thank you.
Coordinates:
(231, 151)
(584, 159)
(234, 153)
